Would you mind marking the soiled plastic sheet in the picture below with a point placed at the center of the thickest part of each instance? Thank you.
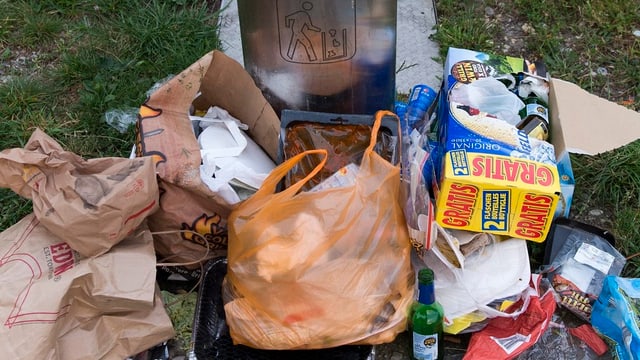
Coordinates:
(211, 335)
(583, 258)
(344, 136)
(557, 343)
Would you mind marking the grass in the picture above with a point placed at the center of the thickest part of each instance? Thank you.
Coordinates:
(591, 44)
(66, 63)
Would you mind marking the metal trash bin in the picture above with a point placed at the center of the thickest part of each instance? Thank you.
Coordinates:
(321, 55)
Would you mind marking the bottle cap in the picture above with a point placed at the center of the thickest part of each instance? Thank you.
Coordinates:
(425, 276)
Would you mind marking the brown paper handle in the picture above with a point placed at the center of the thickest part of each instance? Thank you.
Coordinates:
(200, 260)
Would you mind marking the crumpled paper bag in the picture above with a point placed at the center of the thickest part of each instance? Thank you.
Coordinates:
(91, 204)
(58, 304)
(165, 132)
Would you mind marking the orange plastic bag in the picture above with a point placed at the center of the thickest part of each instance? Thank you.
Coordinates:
(320, 269)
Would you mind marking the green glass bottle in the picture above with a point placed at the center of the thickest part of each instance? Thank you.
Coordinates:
(427, 320)
(535, 118)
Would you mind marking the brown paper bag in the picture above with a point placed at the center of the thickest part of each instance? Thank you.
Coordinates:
(91, 204)
(164, 132)
(114, 336)
(57, 304)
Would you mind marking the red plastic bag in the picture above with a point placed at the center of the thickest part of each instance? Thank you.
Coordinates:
(506, 338)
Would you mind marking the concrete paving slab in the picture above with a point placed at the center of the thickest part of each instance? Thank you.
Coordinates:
(415, 52)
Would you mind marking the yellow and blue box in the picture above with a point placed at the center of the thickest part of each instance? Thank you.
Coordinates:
(489, 176)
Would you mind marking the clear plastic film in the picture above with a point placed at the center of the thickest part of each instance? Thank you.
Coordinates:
(416, 157)
(558, 343)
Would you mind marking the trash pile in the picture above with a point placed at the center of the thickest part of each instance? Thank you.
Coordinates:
(304, 234)
(495, 162)
(78, 274)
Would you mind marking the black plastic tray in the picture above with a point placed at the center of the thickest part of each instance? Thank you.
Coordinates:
(560, 230)
(389, 125)
(211, 334)
(344, 136)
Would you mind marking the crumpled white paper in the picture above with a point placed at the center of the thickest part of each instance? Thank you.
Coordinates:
(233, 165)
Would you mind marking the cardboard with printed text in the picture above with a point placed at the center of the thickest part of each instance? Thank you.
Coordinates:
(191, 224)
(491, 177)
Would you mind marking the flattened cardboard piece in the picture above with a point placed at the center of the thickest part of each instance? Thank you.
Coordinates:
(590, 124)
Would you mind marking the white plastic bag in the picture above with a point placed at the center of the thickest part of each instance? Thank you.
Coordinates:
(233, 165)
(500, 270)
(491, 96)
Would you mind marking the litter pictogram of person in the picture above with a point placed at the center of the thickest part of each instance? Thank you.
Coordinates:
(299, 22)
(316, 32)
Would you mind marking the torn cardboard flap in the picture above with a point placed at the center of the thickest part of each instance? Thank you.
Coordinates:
(227, 85)
(165, 132)
(590, 124)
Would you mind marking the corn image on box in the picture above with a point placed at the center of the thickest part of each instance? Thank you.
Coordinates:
(490, 176)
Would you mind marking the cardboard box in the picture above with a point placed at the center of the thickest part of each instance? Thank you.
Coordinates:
(486, 182)
(165, 132)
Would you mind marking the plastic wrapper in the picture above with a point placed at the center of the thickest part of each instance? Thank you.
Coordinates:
(475, 273)
(492, 96)
(616, 316)
(312, 270)
(581, 260)
(504, 338)
(121, 119)
(417, 165)
(558, 343)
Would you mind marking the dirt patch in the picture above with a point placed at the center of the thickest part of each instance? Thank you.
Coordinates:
(17, 63)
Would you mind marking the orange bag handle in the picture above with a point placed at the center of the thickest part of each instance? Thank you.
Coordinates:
(276, 175)
(376, 127)
(374, 137)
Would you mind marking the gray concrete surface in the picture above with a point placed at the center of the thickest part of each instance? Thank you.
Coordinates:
(415, 52)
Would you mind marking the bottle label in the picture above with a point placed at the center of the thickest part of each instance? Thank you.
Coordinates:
(537, 109)
(425, 347)
(536, 128)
